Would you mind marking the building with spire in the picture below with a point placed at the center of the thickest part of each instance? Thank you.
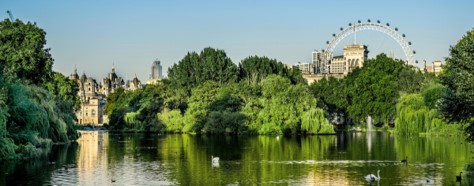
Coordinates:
(110, 83)
(92, 103)
(134, 84)
(93, 95)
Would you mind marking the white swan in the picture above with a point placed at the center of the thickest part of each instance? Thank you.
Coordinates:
(215, 161)
(372, 177)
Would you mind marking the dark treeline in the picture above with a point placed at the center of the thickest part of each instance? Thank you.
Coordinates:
(36, 103)
(208, 93)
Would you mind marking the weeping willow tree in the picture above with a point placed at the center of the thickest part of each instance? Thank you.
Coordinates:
(34, 120)
(414, 117)
(173, 120)
(31, 118)
(131, 121)
(314, 122)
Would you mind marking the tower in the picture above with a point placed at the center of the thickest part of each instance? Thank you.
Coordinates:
(156, 70)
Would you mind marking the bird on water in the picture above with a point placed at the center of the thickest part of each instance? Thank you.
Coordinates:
(458, 178)
(215, 161)
(371, 177)
(405, 160)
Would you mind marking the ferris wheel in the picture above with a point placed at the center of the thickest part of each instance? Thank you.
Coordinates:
(352, 28)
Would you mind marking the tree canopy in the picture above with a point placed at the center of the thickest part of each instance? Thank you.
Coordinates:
(31, 117)
(254, 69)
(458, 77)
(22, 52)
(210, 64)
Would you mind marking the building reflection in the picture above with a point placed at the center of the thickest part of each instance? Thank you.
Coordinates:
(91, 155)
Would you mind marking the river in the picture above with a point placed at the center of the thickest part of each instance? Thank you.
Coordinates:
(103, 158)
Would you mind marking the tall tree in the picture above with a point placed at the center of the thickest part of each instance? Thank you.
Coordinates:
(254, 68)
(22, 52)
(194, 69)
(458, 77)
(65, 88)
(331, 96)
(373, 89)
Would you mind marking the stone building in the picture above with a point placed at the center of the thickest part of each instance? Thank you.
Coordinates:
(134, 84)
(111, 82)
(92, 103)
(93, 95)
(338, 65)
(353, 57)
(436, 67)
(305, 68)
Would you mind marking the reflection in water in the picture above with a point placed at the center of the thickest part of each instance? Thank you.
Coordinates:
(102, 158)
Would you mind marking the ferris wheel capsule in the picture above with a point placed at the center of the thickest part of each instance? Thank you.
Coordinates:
(341, 29)
(333, 35)
(359, 21)
(350, 24)
(378, 21)
(388, 24)
(396, 29)
(327, 42)
(368, 20)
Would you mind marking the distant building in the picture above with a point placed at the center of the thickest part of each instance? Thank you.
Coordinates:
(436, 67)
(134, 84)
(110, 83)
(338, 65)
(353, 57)
(93, 96)
(156, 72)
(305, 68)
(317, 58)
(92, 104)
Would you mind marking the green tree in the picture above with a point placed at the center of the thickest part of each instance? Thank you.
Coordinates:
(432, 94)
(282, 105)
(373, 89)
(65, 88)
(200, 102)
(330, 95)
(211, 64)
(458, 77)
(22, 52)
(314, 122)
(254, 69)
(173, 120)
(415, 117)
(31, 118)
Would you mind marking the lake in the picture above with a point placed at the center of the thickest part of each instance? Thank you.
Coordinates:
(103, 158)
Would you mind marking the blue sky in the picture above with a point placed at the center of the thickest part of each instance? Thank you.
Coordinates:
(95, 34)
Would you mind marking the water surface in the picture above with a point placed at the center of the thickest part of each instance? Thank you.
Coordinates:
(102, 158)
